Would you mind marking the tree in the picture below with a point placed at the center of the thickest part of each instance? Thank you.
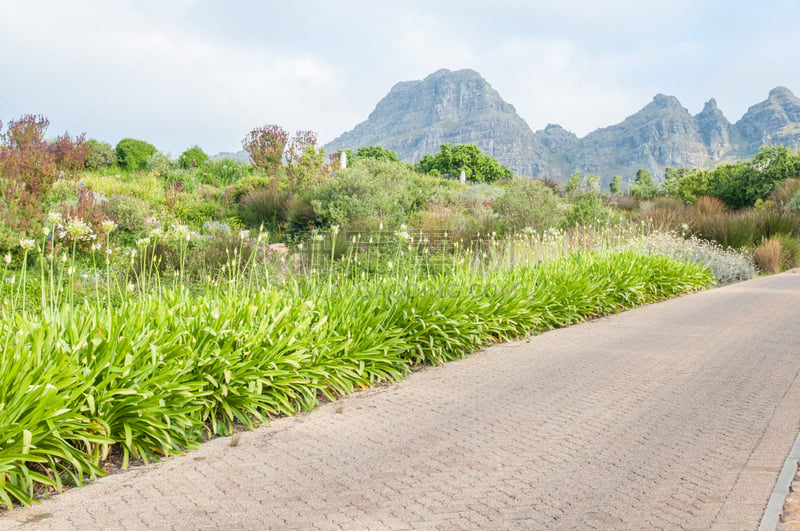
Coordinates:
(265, 145)
(450, 161)
(193, 157)
(644, 187)
(99, 155)
(743, 183)
(133, 154)
(588, 183)
(615, 186)
(304, 161)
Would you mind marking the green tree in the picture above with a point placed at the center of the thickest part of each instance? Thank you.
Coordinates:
(578, 183)
(133, 155)
(615, 186)
(193, 157)
(373, 152)
(100, 155)
(743, 183)
(450, 161)
(304, 161)
(644, 186)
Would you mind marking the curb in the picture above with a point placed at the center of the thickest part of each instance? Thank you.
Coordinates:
(772, 513)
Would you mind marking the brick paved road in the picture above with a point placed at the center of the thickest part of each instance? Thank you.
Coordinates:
(675, 415)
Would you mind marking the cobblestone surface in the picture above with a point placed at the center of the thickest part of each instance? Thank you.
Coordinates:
(673, 416)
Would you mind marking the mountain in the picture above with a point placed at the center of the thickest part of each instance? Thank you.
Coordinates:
(461, 107)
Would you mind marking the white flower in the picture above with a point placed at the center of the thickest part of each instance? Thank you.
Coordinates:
(130, 287)
(7, 258)
(26, 245)
(335, 229)
(54, 218)
(263, 236)
(142, 242)
(390, 265)
(77, 229)
(182, 231)
(244, 234)
(46, 230)
(109, 225)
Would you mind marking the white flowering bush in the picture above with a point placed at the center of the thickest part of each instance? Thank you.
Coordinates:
(727, 265)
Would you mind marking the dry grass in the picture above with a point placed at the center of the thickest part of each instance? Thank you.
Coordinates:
(768, 256)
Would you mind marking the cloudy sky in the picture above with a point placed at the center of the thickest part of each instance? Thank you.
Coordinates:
(183, 72)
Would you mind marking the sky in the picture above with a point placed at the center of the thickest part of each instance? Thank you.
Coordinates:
(179, 73)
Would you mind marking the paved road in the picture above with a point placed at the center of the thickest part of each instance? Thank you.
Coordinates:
(675, 415)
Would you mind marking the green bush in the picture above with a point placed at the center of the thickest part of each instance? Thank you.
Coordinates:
(134, 155)
(369, 193)
(132, 215)
(587, 208)
(100, 155)
(527, 203)
(264, 206)
(193, 157)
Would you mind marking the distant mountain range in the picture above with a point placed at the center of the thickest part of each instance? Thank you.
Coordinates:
(460, 107)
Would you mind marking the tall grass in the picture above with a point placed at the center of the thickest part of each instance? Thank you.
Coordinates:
(147, 366)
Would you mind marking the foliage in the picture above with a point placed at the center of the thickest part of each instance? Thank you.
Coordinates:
(305, 163)
(151, 372)
(99, 155)
(369, 193)
(193, 157)
(133, 154)
(27, 173)
(583, 183)
(450, 161)
(132, 216)
(644, 186)
(265, 145)
(587, 208)
(688, 184)
(615, 186)
(70, 154)
(527, 203)
(727, 265)
(768, 255)
(367, 152)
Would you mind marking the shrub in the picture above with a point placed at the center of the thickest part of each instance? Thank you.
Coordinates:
(587, 208)
(785, 191)
(768, 255)
(70, 155)
(133, 155)
(727, 265)
(793, 203)
(264, 206)
(193, 157)
(706, 205)
(791, 251)
(265, 145)
(450, 161)
(132, 216)
(527, 203)
(369, 193)
(99, 155)
(248, 184)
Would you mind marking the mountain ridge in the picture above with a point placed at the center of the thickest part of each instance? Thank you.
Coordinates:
(461, 107)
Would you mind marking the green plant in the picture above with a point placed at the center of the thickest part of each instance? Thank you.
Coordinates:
(450, 161)
(527, 203)
(193, 157)
(133, 155)
(99, 155)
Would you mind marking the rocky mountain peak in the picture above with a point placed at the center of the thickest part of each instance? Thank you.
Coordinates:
(461, 107)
